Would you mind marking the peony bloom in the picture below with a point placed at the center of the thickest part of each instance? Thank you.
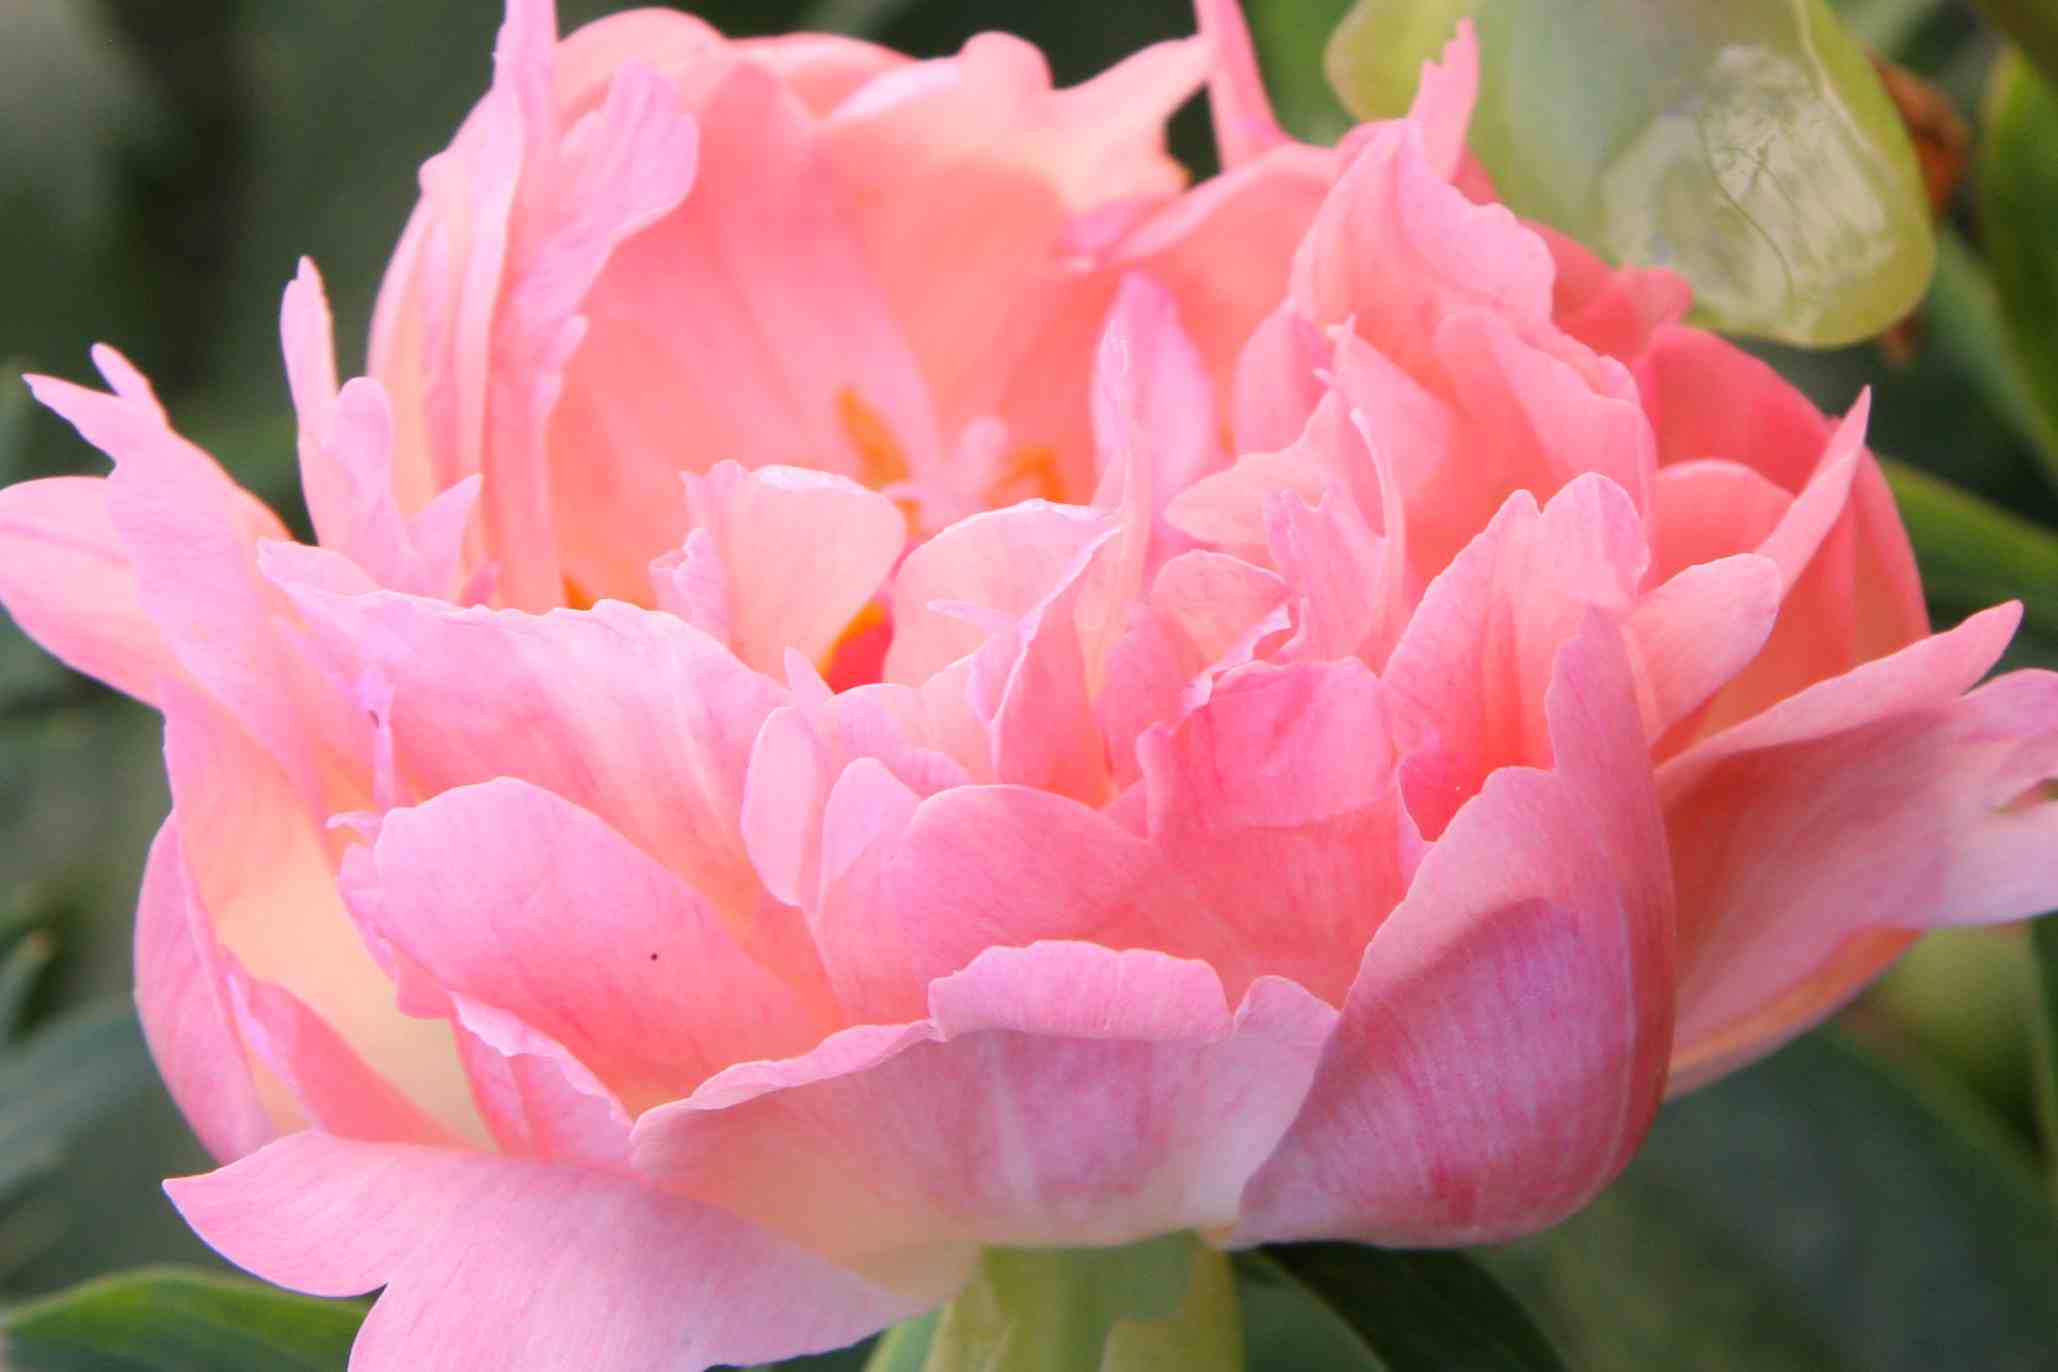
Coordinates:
(881, 678)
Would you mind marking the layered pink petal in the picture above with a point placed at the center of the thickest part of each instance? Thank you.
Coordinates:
(746, 325)
(1244, 125)
(462, 1243)
(631, 714)
(513, 899)
(184, 1007)
(66, 577)
(799, 554)
(1057, 1094)
(1503, 1049)
(296, 977)
(1883, 800)
(190, 534)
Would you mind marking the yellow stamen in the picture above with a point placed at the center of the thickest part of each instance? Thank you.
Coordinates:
(576, 596)
(1035, 462)
(881, 462)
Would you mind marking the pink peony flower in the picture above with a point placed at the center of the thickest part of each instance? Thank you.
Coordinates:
(881, 679)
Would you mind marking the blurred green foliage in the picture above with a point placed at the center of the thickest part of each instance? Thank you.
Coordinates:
(162, 168)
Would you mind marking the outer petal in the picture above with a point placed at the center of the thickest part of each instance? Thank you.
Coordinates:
(1503, 1050)
(464, 1244)
(1058, 1094)
(65, 576)
(191, 534)
(515, 899)
(306, 995)
(185, 1011)
(1938, 815)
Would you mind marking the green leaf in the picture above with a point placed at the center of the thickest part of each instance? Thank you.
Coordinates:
(2018, 185)
(56, 1083)
(1290, 40)
(2031, 23)
(1824, 1211)
(1166, 1302)
(1744, 143)
(1974, 554)
(170, 1319)
(2043, 942)
(19, 972)
(1412, 1312)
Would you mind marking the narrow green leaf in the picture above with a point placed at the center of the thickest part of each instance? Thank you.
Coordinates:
(2043, 942)
(2018, 185)
(905, 1347)
(1744, 143)
(55, 1083)
(1825, 1211)
(19, 972)
(1415, 1312)
(169, 1319)
(1974, 554)
(1964, 317)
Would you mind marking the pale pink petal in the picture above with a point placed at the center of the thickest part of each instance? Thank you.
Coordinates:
(1153, 405)
(1691, 636)
(802, 553)
(1003, 561)
(914, 889)
(186, 1015)
(515, 899)
(191, 533)
(66, 578)
(1057, 1094)
(1276, 386)
(1244, 125)
(264, 881)
(629, 713)
(1503, 1049)
(744, 326)
(501, 1263)
(1938, 815)
(1443, 101)
(1278, 801)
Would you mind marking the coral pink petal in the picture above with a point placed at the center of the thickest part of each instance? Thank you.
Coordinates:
(1443, 101)
(745, 325)
(187, 1018)
(802, 553)
(515, 899)
(1279, 802)
(262, 879)
(1059, 1094)
(66, 578)
(1503, 1049)
(631, 714)
(1615, 312)
(1474, 662)
(1276, 387)
(1938, 814)
(462, 1242)
(1244, 124)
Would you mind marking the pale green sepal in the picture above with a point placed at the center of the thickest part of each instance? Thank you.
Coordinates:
(1746, 144)
(1165, 1303)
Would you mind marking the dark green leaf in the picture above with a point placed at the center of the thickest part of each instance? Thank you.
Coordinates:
(1974, 554)
(172, 1319)
(2018, 205)
(1744, 143)
(19, 969)
(1823, 1211)
(2043, 940)
(1413, 1312)
(60, 1079)
(2031, 23)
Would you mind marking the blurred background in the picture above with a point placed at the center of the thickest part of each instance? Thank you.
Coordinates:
(1876, 1197)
